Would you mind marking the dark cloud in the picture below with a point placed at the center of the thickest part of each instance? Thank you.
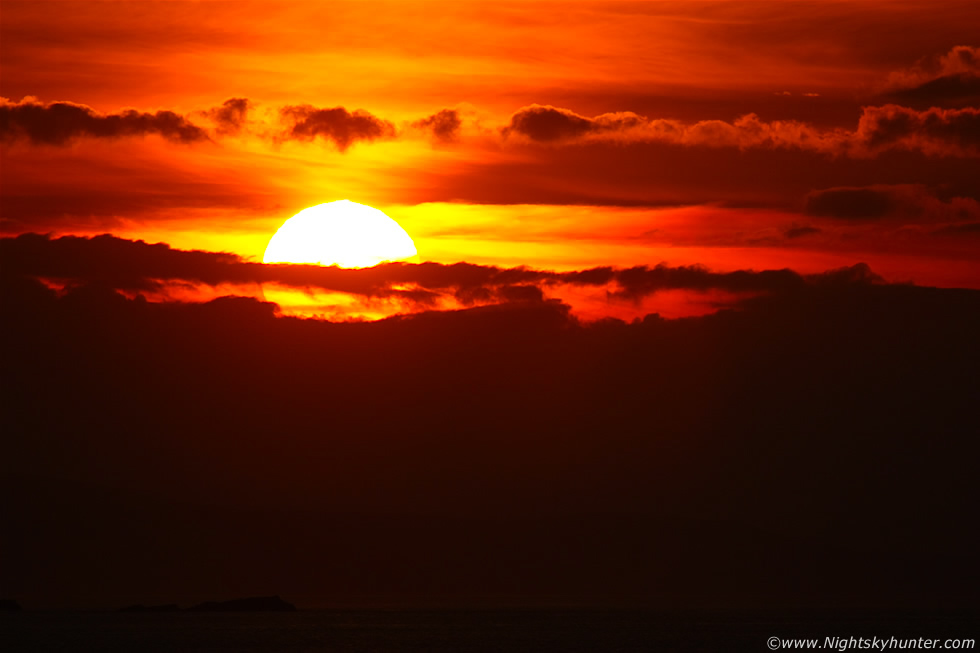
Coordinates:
(963, 57)
(856, 275)
(231, 116)
(520, 293)
(594, 277)
(342, 127)
(905, 202)
(547, 123)
(135, 265)
(116, 262)
(57, 123)
(949, 80)
(553, 124)
(444, 125)
(951, 90)
(935, 131)
(638, 282)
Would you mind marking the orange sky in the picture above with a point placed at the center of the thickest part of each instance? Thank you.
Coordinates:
(552, 135)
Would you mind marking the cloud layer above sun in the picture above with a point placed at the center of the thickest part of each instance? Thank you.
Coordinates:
(608, 140)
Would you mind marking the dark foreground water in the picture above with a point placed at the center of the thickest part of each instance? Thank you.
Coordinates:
(457, 630)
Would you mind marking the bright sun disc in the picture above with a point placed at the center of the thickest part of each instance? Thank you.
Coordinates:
(342, 233)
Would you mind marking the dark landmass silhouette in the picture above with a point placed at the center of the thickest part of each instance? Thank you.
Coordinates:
(9, 605)
(250, 604)
(139, 607)
(813, 447)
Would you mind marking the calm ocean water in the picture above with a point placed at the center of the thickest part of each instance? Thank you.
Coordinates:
(461, 631)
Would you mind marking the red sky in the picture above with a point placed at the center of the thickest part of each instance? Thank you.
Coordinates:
(552, 135)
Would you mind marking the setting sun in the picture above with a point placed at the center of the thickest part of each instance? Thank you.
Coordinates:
(342, 233)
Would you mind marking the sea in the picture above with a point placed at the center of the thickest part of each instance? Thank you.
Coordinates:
(465, 631)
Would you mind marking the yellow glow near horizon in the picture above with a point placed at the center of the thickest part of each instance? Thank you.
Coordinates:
(342, 233)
